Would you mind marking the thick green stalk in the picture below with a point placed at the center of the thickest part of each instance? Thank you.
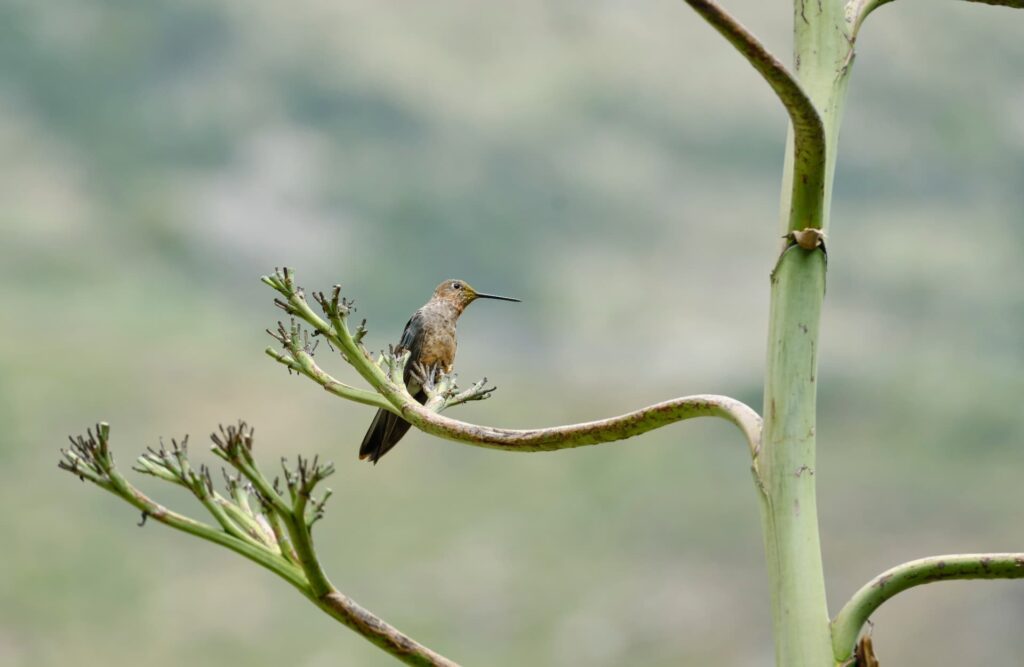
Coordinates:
(786, 466)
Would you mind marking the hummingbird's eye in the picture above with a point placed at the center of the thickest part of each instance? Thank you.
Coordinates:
(456, 285)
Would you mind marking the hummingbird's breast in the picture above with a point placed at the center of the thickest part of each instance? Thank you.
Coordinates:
(437, 341)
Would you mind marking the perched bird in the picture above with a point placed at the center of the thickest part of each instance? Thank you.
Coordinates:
(429, 337)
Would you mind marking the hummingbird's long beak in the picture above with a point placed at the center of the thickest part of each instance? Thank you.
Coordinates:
(495, 296)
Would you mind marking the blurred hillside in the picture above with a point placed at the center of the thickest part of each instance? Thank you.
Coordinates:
(613, 164)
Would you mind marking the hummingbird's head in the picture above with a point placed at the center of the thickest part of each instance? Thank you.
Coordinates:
(460, 294)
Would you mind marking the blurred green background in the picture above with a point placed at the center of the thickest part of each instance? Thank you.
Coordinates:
(616, 166)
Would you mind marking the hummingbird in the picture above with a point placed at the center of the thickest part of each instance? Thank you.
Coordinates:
(429, 338)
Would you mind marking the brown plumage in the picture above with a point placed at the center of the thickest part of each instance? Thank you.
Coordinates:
(429, 337)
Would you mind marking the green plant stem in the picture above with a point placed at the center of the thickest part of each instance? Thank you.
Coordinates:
(302, 542)
(786, 466)
(596, 432)
(808, 139)
(318, 587)
(294, 519)
(396, 399)
(95, 464)
(327, 598)
(250, 527)
(218, 512)
(558, 437)
(120, 487)
(328, 383)
(1016, 4)
(284, 542)
(860, 9)
(848, 622)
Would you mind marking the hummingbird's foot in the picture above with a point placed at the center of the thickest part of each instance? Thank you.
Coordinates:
(418, 372)
(426, 376)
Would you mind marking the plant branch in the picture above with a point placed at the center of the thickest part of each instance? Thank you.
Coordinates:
(300, 487)
(343, 609)
(848, 622)
(809, 132)
(578, 435)
(258, 536)
(90, 458)
(299, 361)
(860, 9)
(381, 375)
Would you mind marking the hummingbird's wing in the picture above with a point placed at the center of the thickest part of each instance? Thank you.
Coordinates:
(411, 333)
(412, 341)
(387, 429)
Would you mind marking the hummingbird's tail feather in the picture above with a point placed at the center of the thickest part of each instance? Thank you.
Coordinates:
(385, 431)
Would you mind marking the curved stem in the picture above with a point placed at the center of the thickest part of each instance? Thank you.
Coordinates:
(397, 400)
(851, 618)
(860, 9)
(595, 432)
(564, 437)
(808, 131)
